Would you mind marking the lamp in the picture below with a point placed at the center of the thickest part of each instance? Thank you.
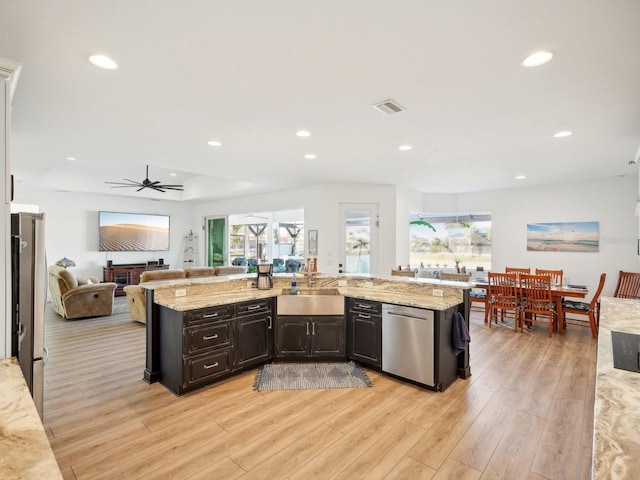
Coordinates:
(65, 263)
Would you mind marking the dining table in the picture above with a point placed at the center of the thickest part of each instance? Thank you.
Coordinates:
(558, 292)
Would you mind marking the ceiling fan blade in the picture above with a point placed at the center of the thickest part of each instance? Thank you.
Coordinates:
(124, 186)
(122, 183)
(167, 186)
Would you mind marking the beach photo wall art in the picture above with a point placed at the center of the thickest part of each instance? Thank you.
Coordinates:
(563, 237)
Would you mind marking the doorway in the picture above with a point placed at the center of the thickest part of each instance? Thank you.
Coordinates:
(358, 238)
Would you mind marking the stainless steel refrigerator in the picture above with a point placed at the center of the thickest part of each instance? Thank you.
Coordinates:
(29, 296)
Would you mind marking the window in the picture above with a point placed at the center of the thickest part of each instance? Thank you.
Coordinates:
(272, 237)
(450, 241)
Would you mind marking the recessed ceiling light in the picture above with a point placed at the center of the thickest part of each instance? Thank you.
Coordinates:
(302, 133)
(521, 177)
(309, 156)
(172, 174)
(103, 61)
(405, 148)
(537, 59)
(214, 143)
(73, 159)
(566, 133)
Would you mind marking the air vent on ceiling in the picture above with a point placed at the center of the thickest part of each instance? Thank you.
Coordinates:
(389, 107)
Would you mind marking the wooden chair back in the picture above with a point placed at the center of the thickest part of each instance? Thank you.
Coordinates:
(502, 295)
(556, 275)
(628, 285)
(518, 271)
(536, 299)
(592, 310)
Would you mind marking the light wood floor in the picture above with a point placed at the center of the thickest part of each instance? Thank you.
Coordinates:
(526, 412)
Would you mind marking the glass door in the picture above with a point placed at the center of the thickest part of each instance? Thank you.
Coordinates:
(358, 238)
(216, 241)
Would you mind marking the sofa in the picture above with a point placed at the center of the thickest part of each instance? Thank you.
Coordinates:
(136, 296)
(79, 297)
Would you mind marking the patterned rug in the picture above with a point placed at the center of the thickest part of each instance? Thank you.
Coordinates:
(308, 376)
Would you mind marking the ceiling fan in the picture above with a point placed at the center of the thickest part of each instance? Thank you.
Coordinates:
(146, 183)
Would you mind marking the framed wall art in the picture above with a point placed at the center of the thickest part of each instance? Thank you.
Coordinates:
(313, 242)
(563, 237)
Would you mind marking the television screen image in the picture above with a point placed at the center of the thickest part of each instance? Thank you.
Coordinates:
(133, 232)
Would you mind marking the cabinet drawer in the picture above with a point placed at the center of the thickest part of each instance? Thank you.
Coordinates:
(210, 335)
(254, 306)
(358, 305)
(203, 315)
(201, 367)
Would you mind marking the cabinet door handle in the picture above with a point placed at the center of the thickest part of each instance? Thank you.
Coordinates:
(362, 315)
(254, 307)
(313, 329)
(270, 322)
(210, 337)
(307, 328)
(364, 305)
(210, 315)
(211, 366)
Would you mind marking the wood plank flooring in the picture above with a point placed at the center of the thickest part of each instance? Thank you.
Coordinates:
(526, 412)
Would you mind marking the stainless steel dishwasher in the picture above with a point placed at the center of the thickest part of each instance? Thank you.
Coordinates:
(408, 343)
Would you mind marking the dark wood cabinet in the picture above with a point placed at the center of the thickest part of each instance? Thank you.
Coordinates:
(196, 347)
(201, 346)
(364, 332)
(127, 274)
(321, 337)
(254, 326)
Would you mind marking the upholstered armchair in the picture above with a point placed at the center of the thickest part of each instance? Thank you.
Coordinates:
(79, 297)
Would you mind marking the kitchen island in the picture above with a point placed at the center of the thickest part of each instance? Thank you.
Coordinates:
(616, 438)
(204, 313)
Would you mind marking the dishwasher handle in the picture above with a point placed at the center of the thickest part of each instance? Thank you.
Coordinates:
(410, 312)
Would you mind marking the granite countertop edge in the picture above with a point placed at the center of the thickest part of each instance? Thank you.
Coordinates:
(193, 302)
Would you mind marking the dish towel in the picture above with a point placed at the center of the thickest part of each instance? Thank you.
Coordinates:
(460, 334)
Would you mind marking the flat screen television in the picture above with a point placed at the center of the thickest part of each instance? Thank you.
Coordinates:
(133, 232)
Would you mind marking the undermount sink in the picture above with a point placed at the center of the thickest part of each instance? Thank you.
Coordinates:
(325, 301)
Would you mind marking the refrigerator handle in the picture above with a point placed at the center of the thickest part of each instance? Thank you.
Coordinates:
(45, 358)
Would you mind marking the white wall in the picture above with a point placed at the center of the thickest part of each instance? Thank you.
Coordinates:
(71, 228)
(610, 202)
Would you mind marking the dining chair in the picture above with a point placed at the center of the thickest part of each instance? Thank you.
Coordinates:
(518, 271)
(536, 300)
(503, 296)
(591, 309)
(556, 275)
(628, 285)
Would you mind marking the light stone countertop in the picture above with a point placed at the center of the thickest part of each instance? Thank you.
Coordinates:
(616, 433)
(193, 302)
(25, 452)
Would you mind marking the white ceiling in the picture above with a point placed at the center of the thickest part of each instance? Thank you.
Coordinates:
(251, 73)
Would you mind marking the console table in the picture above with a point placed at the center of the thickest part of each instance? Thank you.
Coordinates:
(127, 274)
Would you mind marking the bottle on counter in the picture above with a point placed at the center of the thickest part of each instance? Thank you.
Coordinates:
(294, 285)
